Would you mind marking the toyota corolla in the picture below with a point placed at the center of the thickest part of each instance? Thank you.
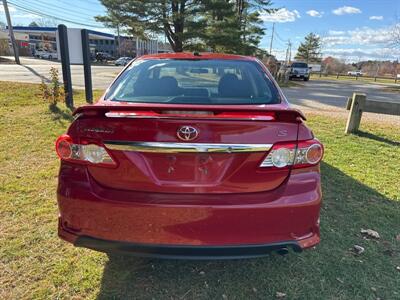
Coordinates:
(190, 155)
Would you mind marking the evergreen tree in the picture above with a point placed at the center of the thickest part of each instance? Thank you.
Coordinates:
(310, 49)
(232, 26)
(33, 24)
(176, 19)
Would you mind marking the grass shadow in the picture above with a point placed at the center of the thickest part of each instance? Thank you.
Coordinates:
(377, 138)
(330, 271)
(59, 114)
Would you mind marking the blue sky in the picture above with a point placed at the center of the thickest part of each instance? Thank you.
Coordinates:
(351, 29)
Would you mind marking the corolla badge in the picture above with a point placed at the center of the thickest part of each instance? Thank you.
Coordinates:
(187, 133)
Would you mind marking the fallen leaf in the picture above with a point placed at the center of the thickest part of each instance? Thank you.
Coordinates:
(398, 237)
(202, 273)
(371, 233)
(398, 268)
(340, 280)
(280, 295)
(373, 289)
(358, 249)
(254, 290)
(224, 296)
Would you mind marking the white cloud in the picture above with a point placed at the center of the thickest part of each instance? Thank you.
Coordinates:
(315, 13)
(282, 15)
(346, 10)
(25, 16)
(359, 36)
(336, 32)
(378, 18)
(356, 54)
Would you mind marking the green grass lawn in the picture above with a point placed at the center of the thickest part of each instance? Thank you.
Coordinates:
(361, 186)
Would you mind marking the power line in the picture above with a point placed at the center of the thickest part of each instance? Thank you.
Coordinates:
(42, 10)
(32, 11)
(80, 7)
(56, 7)
(278, 36)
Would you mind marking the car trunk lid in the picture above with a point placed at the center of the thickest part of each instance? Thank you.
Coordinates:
(152, 155)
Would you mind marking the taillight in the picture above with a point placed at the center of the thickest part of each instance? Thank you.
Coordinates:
(82, 153)
(300, 155)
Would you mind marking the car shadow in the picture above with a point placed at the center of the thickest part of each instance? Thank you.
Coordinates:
(348, 206)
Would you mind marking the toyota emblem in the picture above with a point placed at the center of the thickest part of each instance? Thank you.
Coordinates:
(187, 133)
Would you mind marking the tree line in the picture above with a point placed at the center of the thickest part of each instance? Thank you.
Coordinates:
(229, 26)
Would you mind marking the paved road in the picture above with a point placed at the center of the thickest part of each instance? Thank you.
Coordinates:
(331, 95)
(34, 70)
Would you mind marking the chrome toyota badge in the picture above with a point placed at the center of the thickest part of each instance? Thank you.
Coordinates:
(187, 133)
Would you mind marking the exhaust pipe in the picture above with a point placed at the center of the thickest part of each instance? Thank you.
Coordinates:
(283, 251)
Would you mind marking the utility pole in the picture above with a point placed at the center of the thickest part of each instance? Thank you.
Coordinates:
(272, 38)
(11, 32)
(290, 51)
(119, 41)
(287, 55)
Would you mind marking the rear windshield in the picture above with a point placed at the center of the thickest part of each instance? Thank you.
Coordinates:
(299, 65)
(194, 82)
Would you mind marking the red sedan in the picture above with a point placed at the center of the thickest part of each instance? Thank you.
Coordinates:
(190, 156)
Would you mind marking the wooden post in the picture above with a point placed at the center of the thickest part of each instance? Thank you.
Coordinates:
(349, 102)
(356, 109)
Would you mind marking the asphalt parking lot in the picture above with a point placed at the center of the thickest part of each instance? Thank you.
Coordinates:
(331, 95)
(35, 70)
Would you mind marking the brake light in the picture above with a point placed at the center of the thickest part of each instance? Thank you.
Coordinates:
(304, 154)
(82, 153)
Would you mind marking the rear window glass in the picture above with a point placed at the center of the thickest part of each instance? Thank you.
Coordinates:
(194, 82)
(299, 65)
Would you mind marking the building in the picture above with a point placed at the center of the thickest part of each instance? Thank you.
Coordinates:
(31, 39)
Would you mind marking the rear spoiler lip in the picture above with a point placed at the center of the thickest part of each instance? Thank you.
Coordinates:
(226, 108)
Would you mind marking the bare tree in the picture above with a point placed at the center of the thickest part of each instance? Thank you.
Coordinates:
(396, 35)
(45, 22)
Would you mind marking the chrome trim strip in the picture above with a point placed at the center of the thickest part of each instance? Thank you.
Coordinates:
(200, 117)
(166, 147)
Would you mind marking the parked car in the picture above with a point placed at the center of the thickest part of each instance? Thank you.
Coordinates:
(299, 70)
(123, 61)
(190, 155)
(354, 73)
(103, 56)
(38, 52)
(49, 55)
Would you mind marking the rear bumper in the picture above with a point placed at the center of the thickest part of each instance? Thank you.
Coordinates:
(299, 75)
(185, 226)
(186, 252)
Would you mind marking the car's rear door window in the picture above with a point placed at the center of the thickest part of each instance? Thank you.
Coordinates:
(194, 82)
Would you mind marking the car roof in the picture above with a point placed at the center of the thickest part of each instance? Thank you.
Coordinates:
(197, 56)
